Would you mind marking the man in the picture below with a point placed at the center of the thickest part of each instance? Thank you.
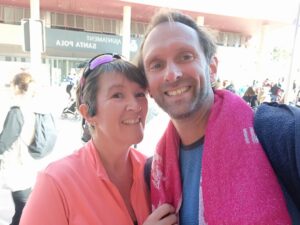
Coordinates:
(209, 163)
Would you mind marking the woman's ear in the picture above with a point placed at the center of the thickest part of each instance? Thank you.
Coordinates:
(84, 111)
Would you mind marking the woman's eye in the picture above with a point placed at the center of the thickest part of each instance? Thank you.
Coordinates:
(117, 95)
(141, 94)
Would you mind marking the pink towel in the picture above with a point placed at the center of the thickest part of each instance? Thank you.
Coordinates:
(238, 183)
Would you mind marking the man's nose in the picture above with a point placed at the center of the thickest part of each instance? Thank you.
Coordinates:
(173, 72)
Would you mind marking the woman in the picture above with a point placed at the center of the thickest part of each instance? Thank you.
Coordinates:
(103, 182)
(16, 165)
(251, 97)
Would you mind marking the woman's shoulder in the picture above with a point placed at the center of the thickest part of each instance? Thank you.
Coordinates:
(67, 166)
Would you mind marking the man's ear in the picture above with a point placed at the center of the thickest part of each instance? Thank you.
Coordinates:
(213, 69)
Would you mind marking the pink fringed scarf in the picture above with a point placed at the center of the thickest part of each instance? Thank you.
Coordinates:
(238, 183)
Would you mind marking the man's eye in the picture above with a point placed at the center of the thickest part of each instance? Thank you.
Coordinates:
(186, 57)
(117, 95)
(155, 66)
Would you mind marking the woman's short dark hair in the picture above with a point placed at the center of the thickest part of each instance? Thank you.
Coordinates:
(206, 41)
(88, 95)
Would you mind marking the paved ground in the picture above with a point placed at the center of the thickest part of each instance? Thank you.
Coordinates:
(69, 133)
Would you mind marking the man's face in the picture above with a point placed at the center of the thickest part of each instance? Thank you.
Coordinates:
(176, 69)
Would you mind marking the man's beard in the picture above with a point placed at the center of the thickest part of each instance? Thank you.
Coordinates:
(190, 107)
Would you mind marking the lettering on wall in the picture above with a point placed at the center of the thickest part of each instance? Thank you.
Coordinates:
(76, 44)
(103, 39)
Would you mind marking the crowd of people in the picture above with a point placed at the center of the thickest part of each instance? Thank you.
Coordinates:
(267, 90)
(217, 162)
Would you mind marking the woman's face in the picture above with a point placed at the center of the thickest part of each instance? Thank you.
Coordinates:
(121, 109)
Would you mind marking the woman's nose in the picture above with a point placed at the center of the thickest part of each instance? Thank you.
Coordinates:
(133, 105)
(173, 73)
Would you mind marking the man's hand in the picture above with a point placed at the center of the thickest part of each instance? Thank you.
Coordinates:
(163, 215)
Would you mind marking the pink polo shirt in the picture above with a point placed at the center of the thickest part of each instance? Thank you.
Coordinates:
(77, 190)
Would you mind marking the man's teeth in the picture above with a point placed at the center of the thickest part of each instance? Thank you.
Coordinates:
(177, 91)
(131, 121)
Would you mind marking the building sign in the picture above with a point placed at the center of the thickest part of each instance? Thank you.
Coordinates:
(86, 42)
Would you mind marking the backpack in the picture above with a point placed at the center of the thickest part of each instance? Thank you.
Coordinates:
(147, 171)
(45, 136)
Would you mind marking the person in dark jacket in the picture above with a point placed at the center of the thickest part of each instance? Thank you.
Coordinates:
(278, 129)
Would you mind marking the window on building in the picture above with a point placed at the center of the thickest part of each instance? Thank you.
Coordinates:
(89, 23)
(8, 14)
(118, 27)
(27, 13)
(107, 26)
(70, 21)
(1, 14)
(8, 58)
(113, 26)
(18, 15)
(98, 25)
(231, 39)
(13, 15)
(60, 20)
(138, 29)
(79, 22)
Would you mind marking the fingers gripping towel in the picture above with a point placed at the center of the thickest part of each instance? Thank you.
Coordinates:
(238, 183)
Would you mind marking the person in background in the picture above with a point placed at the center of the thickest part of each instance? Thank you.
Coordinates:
(228, 85)
(17, 170)
(298, 99)
(101, 183)
(209, 164)
(294, 87)
(251, 97)
(276, 92)
(70, 79)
